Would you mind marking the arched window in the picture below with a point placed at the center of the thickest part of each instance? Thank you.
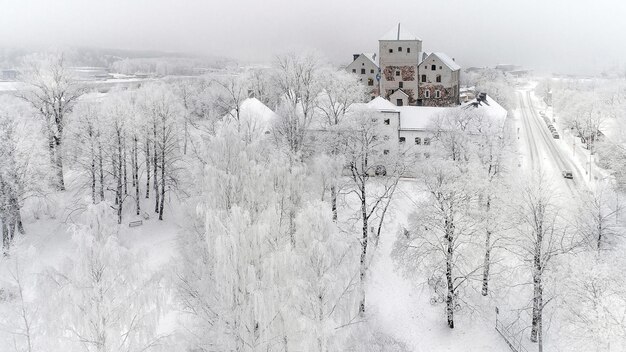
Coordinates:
(427, 94)
(438, 79)
(423, 78)
(370, 82)
(437, 94)
(399, 48)
(418, 140)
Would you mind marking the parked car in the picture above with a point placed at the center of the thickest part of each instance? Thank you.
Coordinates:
(568, 174)
(555, 135)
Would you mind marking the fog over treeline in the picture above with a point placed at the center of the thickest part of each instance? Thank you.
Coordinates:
(556, 36)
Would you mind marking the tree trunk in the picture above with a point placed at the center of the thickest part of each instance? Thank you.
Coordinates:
(93, 176)
(16, 213)
(162, 177)
(5, 235)
(156, 179)
(486, 264)
(186, 136)
(537, 315)
(120, 168)
(487, 259)
(101, 172)
(59, 164)
(364, 239)
(136, 176)
(333, 201)
(147, 167)
(124, 164)
(450, 299)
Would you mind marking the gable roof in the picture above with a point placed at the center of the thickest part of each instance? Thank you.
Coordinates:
(399, 33)
(373, 57)
(382, 104)
(398, 91)
(446, 60)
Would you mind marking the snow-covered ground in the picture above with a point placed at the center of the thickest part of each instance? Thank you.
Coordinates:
(402, 307)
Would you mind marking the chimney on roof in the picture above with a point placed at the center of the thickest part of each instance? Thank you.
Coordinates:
(374, 56)
(355, 56)
(398, 30)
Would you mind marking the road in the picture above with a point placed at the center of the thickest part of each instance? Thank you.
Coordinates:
(542, 150)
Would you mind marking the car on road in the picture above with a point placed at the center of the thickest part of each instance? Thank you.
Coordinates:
(555, 135)
(568, 174)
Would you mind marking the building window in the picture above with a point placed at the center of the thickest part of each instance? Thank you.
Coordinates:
(354, 70)
(400, 84)
(398, 73)
(437, 94)
(427, 94)
(438, 79)
(408, 50)
(399, 102)
(423, 78)
(440, 67)
(402, 139)
(418, 140)
(371, 71)
(390, 51)
(386, 151)
(386, 138)
(426, 141)
(362, 71)
(400, 49)
(433, 67)
(386, 121)
(370, 82)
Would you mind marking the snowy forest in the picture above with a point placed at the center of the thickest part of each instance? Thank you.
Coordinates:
(262, 210)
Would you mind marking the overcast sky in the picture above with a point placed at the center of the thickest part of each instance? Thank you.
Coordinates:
(549, 35)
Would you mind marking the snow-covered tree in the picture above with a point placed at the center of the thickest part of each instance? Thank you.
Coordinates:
(52, 92)
(441, 240)
(341, 91)
(102, 298)
(374, 173)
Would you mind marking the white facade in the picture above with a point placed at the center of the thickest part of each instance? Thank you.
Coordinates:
(365, 66)
(439, 80)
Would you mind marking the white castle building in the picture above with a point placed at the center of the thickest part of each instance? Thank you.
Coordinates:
(404, 74)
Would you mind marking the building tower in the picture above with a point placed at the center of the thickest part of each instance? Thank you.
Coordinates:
(399, 55)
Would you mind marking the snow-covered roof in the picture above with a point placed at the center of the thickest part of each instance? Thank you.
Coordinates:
(491, 108)
(382, 104)
(373, 57)
(399, 33)
(254, 114)
(447, 60)
(419, 117)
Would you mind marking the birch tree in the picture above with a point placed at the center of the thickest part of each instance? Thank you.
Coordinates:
(52, 92)
(441, 237)
(101, 298)
(366, 159)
